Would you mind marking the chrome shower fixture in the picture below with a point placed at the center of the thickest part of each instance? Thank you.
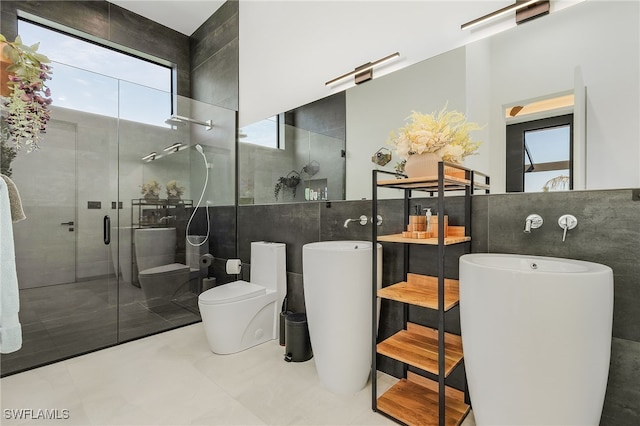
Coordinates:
(175, 147)
(150, 156)
(177, 119)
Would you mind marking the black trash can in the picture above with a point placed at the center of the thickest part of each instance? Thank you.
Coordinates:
(298, 343)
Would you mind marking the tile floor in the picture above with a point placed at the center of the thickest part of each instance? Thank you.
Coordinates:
(173, 378)
(68, 319)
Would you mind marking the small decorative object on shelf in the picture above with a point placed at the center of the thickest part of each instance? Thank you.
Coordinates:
(174, 192)
(25, 95)
(151, 190)
(429, 138)
(312, 168)
(291, 181)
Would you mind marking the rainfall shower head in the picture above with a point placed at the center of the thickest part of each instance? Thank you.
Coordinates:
(177, 119)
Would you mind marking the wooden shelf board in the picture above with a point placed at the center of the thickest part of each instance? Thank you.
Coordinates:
(398, 238)
(418, 346)
(414, 404)
(427, 183)
(422, 290)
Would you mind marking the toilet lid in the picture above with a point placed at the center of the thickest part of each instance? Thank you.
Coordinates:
(231, 292)
(165, 269)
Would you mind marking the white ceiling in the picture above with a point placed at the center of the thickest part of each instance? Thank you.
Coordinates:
(331, 38)
(180, 15)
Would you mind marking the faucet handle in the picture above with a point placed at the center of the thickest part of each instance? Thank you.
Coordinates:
(567, 222)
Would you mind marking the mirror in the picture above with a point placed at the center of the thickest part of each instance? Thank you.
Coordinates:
(590, 50)
(297, 156)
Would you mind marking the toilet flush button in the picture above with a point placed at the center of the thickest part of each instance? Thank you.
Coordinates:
(259, 334)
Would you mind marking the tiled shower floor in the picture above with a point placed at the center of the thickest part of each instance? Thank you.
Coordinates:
(68, 319)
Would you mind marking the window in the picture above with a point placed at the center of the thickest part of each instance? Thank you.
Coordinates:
(265, 133)
(539, 155)
(92, 78)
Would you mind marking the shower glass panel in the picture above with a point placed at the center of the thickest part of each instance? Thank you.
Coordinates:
(68, 292)
(78, 294)
(162, 182)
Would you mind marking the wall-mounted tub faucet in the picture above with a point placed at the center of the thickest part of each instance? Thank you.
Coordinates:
(533, 221)
(362, 219)
(567, 222)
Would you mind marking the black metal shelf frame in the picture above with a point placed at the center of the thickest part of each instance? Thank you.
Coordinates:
(444, 184)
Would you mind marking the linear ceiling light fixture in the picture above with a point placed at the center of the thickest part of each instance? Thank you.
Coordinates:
(175, 147)
(363, 72)
(525, 10)
(150, 157)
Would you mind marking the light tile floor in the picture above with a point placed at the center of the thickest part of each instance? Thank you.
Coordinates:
(174, 379)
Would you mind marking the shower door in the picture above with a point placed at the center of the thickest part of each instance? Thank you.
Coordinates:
(66, 276)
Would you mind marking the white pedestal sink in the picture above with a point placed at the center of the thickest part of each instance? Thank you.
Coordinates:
(536, 335)
(338, 300)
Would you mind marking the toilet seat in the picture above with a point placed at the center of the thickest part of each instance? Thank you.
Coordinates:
(165, 269)
(231, 292)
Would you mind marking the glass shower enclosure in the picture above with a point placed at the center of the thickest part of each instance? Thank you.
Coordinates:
(106, 177)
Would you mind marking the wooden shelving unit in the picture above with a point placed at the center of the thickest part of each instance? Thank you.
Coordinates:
(398, 238)
(418, 346)
(422, 290)
(417, 399)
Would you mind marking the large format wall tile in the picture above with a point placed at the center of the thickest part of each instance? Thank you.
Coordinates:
(112, 23)
(608, 232)
(215, 59)
(621, 406)
(91, 17)
(292, 224)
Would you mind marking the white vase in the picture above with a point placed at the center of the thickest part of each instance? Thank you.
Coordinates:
(421, 165)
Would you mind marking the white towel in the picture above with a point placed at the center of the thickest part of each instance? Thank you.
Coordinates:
(17, 213)
(10, 329)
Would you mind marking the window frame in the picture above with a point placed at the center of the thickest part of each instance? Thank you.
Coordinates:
(515, 148)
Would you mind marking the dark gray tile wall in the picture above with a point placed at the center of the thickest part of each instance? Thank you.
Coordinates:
(608, 232)
(214, 58)
(325, 116)
(109, 22)
(222, 238)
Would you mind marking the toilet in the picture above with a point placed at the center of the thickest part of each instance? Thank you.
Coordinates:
(159, 275)
(239, 315)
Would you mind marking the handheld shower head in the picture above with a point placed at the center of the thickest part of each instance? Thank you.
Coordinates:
(204, 188)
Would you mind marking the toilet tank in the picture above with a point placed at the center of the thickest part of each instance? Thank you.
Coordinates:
(269, 266)
(154, 247)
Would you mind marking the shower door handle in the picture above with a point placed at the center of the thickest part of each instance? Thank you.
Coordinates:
(106, 229)
(69, 224)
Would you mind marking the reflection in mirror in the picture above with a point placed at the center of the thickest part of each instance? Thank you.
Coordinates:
(305, 166)
(298, 156)
(539, 155)
(556, 54)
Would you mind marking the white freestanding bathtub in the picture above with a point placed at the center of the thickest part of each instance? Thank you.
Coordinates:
(536, 335)
(337, 295)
